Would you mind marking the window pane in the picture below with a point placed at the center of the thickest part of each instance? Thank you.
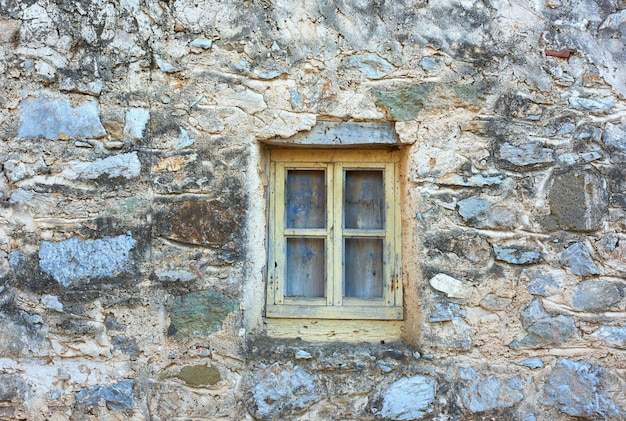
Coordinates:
(364, 199)
(363, 267)
(305, 199)
(306, 267)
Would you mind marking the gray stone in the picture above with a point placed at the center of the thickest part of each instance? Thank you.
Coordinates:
(409, 398)
(74, 260)
(201, 43)
(57, 119)
(136, 121)
(164, 66)
(445, 312)
(614, 136)
(480, 393)
(199, 313)
(578, 200)
(578, 259)
(614, 336)
(494, 303)
(117, 397)
(282, 390)
(596, 105)
(528, 155)
(542, 328)
(614, 21)
(167, 275)
(303, 355)
(52, 302)
(17, 170)
(429, 64)
(516, 256)
(12, 387)
(123, 165)
(474, 180)
(125, 345)
(453, 335)
(597, 295)
(450, 286)
(371, 65)
(576, 388)
(539, 282)
(471, 207)
(328, 133)
(533, 363)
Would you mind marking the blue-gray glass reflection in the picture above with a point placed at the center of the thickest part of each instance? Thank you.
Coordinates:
(305, 199)
(363, 267)
(364, 199)
(306, 267)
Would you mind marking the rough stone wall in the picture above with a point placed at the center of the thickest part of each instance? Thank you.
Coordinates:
(132, 206)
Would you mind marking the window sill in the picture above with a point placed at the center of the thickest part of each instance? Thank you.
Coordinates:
(330, 330)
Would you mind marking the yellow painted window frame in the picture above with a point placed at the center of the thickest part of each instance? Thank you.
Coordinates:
(334, 305)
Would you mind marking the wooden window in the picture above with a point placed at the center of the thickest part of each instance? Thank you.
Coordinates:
(334, 250)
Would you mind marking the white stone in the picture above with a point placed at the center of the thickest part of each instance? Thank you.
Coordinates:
(136, 122)
(52, 302)
(123, 165)
(249, 101)
(450, 286)
(409, 398)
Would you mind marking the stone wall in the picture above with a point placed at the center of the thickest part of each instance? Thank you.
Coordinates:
(133, 206)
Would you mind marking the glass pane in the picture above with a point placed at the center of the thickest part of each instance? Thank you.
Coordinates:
(363, 267)
(364, 199)
(306, 267)
(305, 199)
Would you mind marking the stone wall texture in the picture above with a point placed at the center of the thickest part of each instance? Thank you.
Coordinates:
(133, 184)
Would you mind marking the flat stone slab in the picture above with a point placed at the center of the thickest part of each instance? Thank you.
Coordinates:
(56, 119)
(330, 133)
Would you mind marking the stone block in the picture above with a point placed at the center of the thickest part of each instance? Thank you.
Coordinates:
(539, 282)
(407, 102)
(532, 363)
(202, 222)
(543, 329)
(597, 295)
(410, 398)
(578, 259)
(578, 201)
(330, 133)
(125, 165)
(199, 375)
(525, 156)
(494, 303)
(136, 122)
(481, 393)
(445, 312)
(117, 396)
(614, 336)
(516, 256)
(371, 65)
(57, 119)
(75, 260)
(450, 286)
(282, 391)
(578, 389)
(12, 387)
(199, 313)
(482, 213)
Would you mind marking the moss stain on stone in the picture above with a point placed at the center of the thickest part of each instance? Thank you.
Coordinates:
(199, 313)
(199, 375)
(406, 103)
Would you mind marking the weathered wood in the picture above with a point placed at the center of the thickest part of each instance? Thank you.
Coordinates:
(312, 330)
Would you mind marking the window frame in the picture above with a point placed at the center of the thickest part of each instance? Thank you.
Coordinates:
(334, 305)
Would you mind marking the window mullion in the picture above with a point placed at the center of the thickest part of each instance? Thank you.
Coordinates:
(337, 233)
